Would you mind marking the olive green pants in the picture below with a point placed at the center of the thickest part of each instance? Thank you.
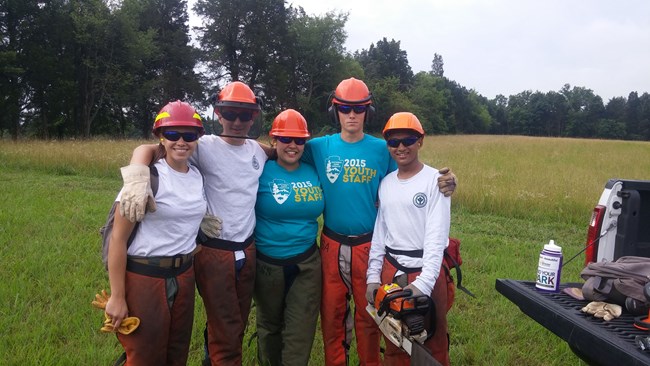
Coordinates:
(287, 299)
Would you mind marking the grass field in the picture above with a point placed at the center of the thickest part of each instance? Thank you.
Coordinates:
(515, 194)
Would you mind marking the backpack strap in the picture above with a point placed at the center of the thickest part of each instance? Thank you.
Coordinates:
(459, 273)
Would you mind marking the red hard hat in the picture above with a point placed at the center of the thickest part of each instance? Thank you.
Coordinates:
(289, 123)
(403, 121)
(352, 92)
(239, 95)
(177, 114)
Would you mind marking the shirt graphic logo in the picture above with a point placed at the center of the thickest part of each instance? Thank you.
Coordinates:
(420, 200)
(333, 168)
(280, 190)
(256, 164)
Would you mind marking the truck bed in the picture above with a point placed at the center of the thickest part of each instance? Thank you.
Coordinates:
(595, 341)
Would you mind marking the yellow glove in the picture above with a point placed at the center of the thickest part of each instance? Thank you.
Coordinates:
(603, 310)
(137, 196)
(211, 226)
(128, 325)
(447, 182)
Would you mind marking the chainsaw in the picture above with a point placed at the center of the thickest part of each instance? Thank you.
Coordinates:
(400, 317)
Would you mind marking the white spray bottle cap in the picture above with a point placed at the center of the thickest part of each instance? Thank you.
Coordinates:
(552, 247)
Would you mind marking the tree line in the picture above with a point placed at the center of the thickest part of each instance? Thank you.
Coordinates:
(85, 68)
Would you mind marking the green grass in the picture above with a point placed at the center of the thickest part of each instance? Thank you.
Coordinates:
(515, 194)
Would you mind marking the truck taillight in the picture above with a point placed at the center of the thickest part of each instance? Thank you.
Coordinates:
(595, 224)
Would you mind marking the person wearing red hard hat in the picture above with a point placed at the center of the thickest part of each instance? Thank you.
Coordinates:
(411, 233)
(288, 281)
(350, 165)
(231, 163)
(153, 277)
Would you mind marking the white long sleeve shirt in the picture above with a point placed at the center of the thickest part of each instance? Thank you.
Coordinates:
(413, 215)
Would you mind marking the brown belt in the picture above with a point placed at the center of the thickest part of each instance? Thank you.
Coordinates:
(170, 262)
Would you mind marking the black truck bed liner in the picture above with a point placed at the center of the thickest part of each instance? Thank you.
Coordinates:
(595, 341)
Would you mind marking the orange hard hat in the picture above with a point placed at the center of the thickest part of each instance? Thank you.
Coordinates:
(177, 114)
(403, 121)
(239, 95)
(289, 123)
(352, 92)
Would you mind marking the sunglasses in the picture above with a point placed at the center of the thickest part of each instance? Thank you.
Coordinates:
(175, 136)
(346, 109)
(407, 141)
(287, 140)
(243, 116)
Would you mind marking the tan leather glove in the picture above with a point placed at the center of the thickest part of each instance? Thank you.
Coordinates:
(447, 182)
(137, 196)
(603, 310)
(416, 291)
(211, 226)
(371, 290)
(128, 325)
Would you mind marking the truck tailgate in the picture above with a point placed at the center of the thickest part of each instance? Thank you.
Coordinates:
(592, 339)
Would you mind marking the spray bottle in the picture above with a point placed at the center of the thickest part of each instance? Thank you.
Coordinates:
(549, 268)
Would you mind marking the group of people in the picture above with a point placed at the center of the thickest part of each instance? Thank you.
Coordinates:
(386, 219)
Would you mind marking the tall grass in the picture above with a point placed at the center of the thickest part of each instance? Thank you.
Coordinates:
(515, 194)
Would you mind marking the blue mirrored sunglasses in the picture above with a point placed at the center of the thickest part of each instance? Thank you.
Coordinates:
(244, 116)
(175, 136)
(345, 109)
(407, 141)
(287, 140)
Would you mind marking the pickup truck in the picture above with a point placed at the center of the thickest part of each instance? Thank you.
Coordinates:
(619, 226)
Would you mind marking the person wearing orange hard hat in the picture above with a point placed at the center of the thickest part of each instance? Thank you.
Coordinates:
(152, 278)
(231, 163)
(411, 233)
(350, 165)
(288, 281)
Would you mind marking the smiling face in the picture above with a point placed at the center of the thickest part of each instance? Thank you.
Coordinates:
(404, 156)
(289, 151)
(178, 152)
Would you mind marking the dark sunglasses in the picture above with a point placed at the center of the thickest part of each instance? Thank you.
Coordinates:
(244, 116)
(175, 136)
(346, 109)
(287, 140)
(407, 141)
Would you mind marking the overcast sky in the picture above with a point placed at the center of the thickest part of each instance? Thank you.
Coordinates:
(508, 46)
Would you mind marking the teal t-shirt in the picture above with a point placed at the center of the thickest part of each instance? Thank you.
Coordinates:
(287, 209)
(349, 174)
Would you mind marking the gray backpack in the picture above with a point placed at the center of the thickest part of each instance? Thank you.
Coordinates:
(613, 282)
(107, 229)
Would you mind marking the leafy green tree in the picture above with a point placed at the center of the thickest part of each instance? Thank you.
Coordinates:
(437, 65)
(428, 94)
(385, 60)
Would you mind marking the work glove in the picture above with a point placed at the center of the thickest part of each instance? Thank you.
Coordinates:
(447, 182)
(211, 226)
(128, 324)
(137, 196)
(415, 291)
(371, 290)
(603, 310)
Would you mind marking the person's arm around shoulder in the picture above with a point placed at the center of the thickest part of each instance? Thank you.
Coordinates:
(137, 196)
(447, 181)
(116, 306)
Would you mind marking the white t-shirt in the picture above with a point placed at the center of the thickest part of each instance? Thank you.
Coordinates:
(231, 175)
(413, 215)
(180, 206)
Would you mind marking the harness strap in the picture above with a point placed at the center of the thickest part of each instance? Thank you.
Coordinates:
(228, 245)
(409, 253)
(155, 271)
(349, 240)
(288, 261)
